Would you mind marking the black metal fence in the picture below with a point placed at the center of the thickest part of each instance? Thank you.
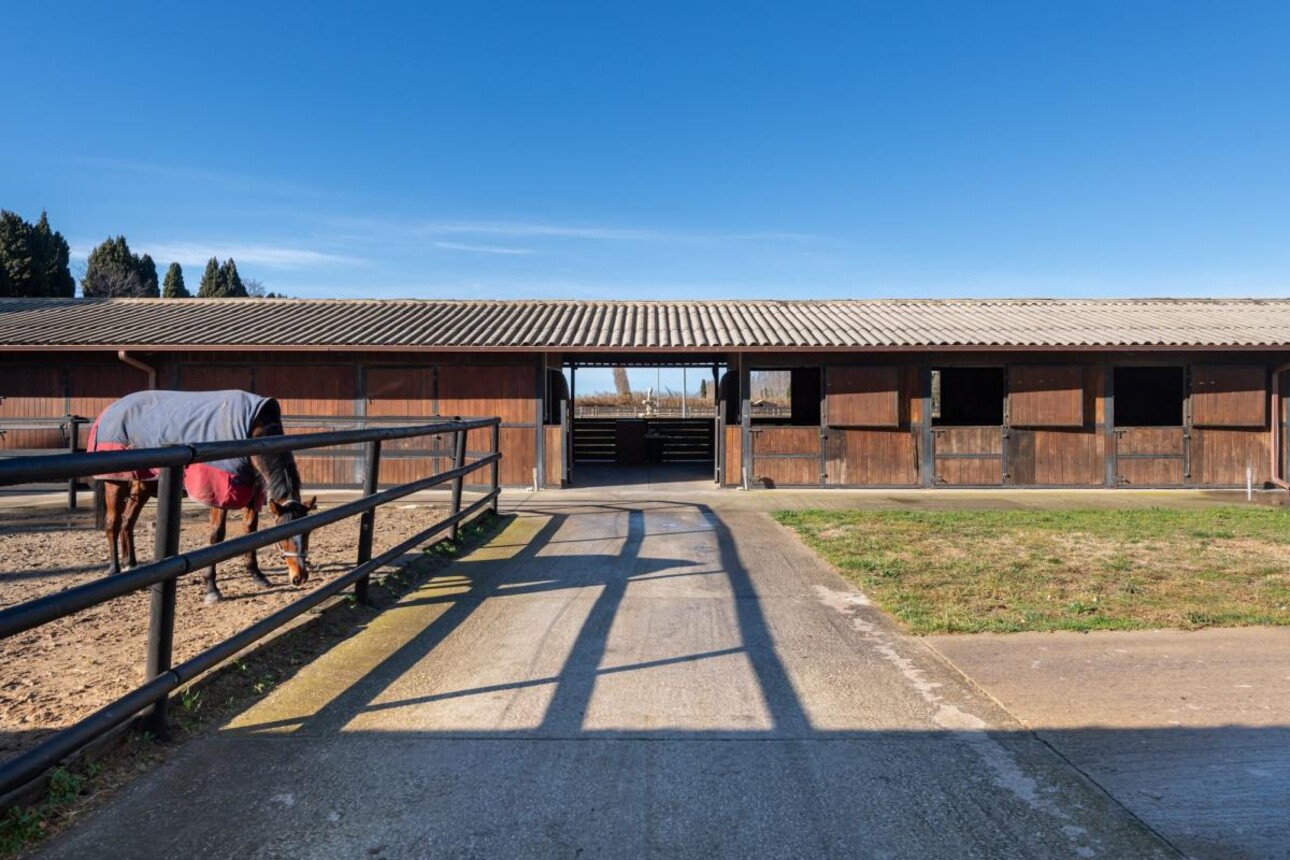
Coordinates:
(68, 429)
(169, 564)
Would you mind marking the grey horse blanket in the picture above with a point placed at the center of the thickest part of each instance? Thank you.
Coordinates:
(154, 419)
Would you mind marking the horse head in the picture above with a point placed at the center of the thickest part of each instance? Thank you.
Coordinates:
(295, 550)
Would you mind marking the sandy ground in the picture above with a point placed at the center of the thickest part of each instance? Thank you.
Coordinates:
(60, 672)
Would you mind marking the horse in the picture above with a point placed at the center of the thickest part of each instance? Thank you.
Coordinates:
(149, 419)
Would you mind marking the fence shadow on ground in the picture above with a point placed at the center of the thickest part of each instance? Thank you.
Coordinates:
(771, 783)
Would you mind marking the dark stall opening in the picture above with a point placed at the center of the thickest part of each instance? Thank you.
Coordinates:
(789, 397)
(968, 396)
(1149, 396)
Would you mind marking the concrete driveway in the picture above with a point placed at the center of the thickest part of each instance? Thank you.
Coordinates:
(623, 677)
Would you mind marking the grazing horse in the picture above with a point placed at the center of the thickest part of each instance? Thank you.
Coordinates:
(149, 419)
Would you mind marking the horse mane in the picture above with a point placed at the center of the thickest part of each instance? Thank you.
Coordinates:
(278, 469)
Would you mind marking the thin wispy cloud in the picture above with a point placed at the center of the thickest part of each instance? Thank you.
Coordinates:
(554, 231)
(280, 257)
(606, 233)
(411, 231)
(227, 180)
(482, 249)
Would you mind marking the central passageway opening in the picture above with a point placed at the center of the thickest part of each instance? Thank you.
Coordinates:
(633, 423)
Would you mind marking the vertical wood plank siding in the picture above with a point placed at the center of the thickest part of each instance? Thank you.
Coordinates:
(1057, 413)
(1229, 395)
(863, 396)
(1042, 395)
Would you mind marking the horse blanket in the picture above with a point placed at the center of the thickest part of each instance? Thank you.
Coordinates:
(155, 419)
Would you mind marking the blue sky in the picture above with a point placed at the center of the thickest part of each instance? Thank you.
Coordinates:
(656, 150)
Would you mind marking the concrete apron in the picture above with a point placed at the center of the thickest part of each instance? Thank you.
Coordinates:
(1189, 730)
(621, 678)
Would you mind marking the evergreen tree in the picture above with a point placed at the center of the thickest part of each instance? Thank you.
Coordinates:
(113, 271)
(703, 389)
(54, 255)
(221, 281)
(173, 286)
(148, 274)
(33, 259)
(211, 287)
(17, 269)
(231, 280)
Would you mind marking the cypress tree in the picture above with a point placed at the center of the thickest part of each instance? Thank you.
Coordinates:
(148, 275)
(33, 259)
(232, 281)
(17, 263)
(54, 255)
(211, 286)
(173, 287)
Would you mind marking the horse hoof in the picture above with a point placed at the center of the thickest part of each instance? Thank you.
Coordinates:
(212, 597)
(262, 580)
(112, 571)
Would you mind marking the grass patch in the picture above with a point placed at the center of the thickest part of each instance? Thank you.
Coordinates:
(1007, 571)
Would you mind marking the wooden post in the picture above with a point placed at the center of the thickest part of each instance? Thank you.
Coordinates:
(745, 421)
(927, 462)
(1108, 424)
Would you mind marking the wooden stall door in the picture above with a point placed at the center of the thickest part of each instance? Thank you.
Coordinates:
(786, 456)
(968, 456)
(870, 457)
(1230, 431)
(1150, 456)
(1052, 437)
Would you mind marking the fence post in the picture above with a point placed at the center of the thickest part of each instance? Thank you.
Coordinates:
(73, 445)
(495, 434)
(367, 519)
(161, 629)
(458, 460)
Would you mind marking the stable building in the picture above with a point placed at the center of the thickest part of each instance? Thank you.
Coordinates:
(877, 393)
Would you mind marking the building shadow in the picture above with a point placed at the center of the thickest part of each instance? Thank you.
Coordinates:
(571, 782)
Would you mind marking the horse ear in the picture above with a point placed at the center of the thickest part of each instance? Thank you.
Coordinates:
(275, 507)
(313, 503)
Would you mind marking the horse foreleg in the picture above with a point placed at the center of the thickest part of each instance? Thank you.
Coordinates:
(114, 500)
(251, 521)
(219, 517)
(139, 496)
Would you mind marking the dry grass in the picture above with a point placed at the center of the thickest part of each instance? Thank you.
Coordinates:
(1005, 571)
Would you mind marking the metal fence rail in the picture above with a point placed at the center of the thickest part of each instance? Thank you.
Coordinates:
(161, 575)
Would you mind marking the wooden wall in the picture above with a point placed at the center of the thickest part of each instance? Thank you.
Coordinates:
(734, 452)
(318, 392)
(872, 430)
(554, 455)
